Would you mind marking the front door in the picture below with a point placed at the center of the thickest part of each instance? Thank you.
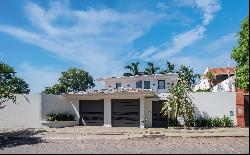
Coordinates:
(158, 120)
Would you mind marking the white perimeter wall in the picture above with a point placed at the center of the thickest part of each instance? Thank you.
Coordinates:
(25, 113)
(32, 109)
(216, 104)
(58, 104)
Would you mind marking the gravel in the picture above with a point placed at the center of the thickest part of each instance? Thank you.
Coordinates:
(154, 145)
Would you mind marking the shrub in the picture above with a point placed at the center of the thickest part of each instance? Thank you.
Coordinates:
(217, 122)
(227, 122)
(213, 122)
(203, 122)
(61, 117)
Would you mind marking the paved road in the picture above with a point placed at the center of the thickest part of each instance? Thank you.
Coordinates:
(132, 145)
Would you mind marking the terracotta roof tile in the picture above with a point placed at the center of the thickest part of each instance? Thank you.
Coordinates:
(232, 70)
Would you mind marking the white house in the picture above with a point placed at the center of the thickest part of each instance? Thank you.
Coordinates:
(224, 80)
(133, 101)
(159, 83)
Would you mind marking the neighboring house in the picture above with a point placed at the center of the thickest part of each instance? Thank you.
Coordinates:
(224, 80)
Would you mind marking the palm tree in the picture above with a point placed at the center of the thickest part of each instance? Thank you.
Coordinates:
(210, 77)
(170, 68)
(151, 69)
(133, 68)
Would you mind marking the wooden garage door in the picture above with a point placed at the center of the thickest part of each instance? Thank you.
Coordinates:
(92, 112)
(126, 113)
(158, 121)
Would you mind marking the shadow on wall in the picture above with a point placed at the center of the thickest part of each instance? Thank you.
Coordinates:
(10, 139)
(200, 114)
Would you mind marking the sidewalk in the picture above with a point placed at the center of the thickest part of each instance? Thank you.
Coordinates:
(82, 132)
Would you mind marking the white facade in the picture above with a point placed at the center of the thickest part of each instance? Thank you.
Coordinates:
(228, 85)
(31, 110)
(164, 80)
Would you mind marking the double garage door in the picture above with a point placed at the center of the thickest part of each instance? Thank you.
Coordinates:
(125, 112)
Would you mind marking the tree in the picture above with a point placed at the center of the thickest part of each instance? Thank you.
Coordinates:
(210, 77)
(10, 84)
(133, 68)
(179, 103)
(187, 74)
(170, 68)
(240, 54)
(73, 80)
(151, 69)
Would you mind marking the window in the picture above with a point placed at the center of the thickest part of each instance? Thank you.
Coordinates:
(118, 85)
(161, 84)
(146, 84)
(139, 84)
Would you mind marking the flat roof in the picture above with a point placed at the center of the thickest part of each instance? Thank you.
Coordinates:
(139, 76)
(114, 92)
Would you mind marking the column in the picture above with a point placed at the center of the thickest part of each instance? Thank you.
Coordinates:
(107, 112)
(142, 115)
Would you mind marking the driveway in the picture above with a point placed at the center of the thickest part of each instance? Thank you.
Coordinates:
(124, 140)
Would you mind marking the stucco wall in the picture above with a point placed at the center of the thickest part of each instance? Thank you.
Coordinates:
(57, 104)
(25, 113)
(216, 104)
(31, 109)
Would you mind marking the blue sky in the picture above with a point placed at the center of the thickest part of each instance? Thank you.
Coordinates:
(42, 38)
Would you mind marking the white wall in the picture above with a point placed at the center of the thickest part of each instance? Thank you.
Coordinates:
(30, 111)
(58, 104)
(132, 84)
(25, 113)
(216, 104)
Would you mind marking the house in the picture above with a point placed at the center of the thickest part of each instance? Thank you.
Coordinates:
(224, 80)
(133, 101)
(124, 102)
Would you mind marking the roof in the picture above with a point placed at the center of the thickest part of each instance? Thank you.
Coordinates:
(139, 76)
(226, 70)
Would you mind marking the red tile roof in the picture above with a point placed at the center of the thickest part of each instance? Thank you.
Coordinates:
(232, 70)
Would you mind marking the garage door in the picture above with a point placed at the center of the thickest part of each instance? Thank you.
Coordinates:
(92, 112)
(126, 113)
(158, 121)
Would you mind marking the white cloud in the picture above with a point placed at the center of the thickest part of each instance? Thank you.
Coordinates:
(94, 38)
(188, 38)
(38, 77)
(178, 43)
(214, 54)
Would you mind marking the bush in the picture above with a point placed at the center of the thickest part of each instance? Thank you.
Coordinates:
(61, 117)
(213, 122)
(217, 122)
(203, 122)
(227, 122)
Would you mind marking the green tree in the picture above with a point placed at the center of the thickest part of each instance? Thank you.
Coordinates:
(151, 69)
(187, 74)
(133, 68)
(73, 80)
(170, 68)
(10, 84)
(240, 54)
(179, 103)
